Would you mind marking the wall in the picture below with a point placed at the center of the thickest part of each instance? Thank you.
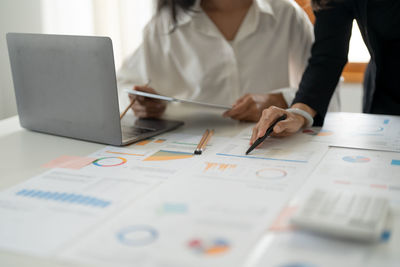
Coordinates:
(15, 16)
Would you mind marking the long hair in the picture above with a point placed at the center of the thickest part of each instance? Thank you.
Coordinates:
(175, 6)
(320, 4)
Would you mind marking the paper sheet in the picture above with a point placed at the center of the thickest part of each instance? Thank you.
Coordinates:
(210, 214)
(69, 162)
(46, 212)
(369, 172)
(156, 204)
(365, 131)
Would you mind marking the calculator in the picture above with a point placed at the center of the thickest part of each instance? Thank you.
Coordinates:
(343, 214)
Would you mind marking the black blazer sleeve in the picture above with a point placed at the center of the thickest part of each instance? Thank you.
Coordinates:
(328, 57)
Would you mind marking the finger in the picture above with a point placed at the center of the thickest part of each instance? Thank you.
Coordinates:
(145, 89)
(268, 117)
(241, 100)
(142, 109)
(242, 107)
(245, 116)
(153, 104)
(254, 134)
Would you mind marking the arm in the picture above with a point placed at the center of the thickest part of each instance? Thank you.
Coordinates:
(328, 57)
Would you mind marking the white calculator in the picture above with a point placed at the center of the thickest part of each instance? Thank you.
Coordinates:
(343, 214)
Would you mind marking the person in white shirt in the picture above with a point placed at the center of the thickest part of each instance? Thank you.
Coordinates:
(250, 54)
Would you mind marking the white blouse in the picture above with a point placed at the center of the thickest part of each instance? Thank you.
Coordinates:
(195, 61)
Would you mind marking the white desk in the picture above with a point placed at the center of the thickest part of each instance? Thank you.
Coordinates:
(25, 151)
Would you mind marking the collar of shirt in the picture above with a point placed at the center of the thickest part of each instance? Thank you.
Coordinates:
(203, 23)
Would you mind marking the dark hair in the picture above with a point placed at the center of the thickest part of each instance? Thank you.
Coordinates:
(320, 4)
(175, 6)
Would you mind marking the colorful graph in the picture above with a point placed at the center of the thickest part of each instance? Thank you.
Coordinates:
(65, 198)
(271, 173)
(144, 142)
(262, 157)
(137, 235)
(317, 133)
(151, 140)
(164, 155)
(325, 133)
(209, 247)
(173, 208)
(123, 153)
(218, 166)
(110, 161)
(396, 162)
(356, 159)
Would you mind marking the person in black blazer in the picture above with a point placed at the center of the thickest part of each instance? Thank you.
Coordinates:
(379, 23)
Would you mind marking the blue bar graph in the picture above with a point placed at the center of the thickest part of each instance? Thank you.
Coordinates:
(396, 162)
(65, 197)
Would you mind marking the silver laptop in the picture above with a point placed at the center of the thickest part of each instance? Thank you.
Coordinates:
(66, 85)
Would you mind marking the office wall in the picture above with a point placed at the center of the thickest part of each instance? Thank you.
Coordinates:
(18, 16)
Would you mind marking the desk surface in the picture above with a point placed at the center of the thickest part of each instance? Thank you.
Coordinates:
(31, 150)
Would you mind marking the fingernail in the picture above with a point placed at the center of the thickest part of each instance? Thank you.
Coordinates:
(278, 129)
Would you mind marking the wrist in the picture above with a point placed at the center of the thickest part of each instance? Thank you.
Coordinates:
(305, 117)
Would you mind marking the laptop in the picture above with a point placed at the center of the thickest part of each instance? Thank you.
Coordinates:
(66, 86)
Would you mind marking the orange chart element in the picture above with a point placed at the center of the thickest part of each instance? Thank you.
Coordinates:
(325, 133)
(209, 247)
(123, 153)
(316, 133)
(144, 142)
(164, 155)
(218, 166)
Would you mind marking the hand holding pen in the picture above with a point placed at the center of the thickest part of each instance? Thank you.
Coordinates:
(267, 133)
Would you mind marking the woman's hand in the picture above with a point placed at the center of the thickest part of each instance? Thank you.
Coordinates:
(145, 107)
(250, 106)
(292, 124)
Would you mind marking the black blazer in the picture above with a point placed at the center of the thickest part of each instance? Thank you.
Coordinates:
(329, 55)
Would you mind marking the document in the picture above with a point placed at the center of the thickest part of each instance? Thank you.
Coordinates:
(365, 131)
(211, 213)
(154, 203)
(45, 213)
(341, 169)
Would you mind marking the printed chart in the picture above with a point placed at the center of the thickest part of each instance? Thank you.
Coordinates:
(165, 155)
(365, 131)
(137, 235)
(209, 247)
(110, 161)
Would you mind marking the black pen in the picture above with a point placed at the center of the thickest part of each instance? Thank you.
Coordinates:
(269, 131)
